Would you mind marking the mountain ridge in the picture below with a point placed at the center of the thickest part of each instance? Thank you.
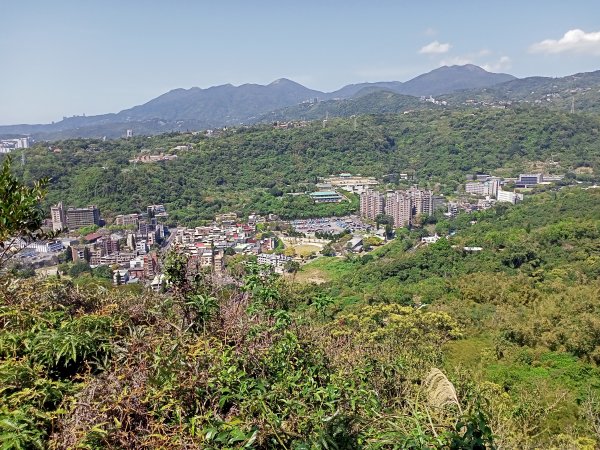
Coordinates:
(224, 105)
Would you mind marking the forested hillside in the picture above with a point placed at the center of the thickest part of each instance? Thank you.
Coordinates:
(250, 169)
(526, 304)
(402, 349)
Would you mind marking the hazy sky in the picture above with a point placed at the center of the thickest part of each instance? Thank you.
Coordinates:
(60, 58)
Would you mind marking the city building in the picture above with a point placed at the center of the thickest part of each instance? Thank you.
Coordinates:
(58, 217)
(108, 245)
(355, 244)
(157, 211)
(399, 206)
(510, 197)
(83, 217)
(402, 206)
(486, 188)
(276, 261)
(422, 201)
(453, 209)
(430, 239)
(372, 204)
(127, 220)
(46, 246)
(529, 179)
(349, 182)
(8, 145)
(476, 188)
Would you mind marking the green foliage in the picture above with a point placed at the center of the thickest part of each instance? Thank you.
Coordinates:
(79, 268)
(21, 215)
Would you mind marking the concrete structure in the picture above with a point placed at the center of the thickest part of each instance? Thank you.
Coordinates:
(8, 145)
(486, 188)
(453, 209)
(529, 179)
(510, 197)
(120, 276)
(108, 245)
(58, 217)
(46, 246)
(326, 197)
(83, 217)
(476, 188)
(127, 220)
(372, 204)
(430, 239)
(402, 206)
(157, 211)
(422, 201)
(355, 244)
(276, 261)
(399, 206)
(351, 183)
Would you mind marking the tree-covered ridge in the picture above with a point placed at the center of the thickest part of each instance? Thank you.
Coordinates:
(248, 169)
(544, 92)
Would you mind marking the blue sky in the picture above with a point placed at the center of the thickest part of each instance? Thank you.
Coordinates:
(60, 58)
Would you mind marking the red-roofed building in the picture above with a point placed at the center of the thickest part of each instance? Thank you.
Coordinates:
(92, 237)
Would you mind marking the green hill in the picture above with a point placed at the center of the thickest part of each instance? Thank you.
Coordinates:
(252, 169)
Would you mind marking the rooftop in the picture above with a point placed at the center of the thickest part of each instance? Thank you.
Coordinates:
(324, 194)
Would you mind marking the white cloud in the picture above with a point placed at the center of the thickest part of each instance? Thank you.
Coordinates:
(435, 47)
(504, 63)
(577, 41)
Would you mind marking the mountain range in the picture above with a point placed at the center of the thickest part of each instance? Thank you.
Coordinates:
(283, 99)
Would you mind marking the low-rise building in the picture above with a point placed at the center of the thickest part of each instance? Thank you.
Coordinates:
(46, 246)
(276, 261)
(355, 244)
(127, 220)
(326, 197)
(529, 179)
(510, 197)
(430, 239)
(350, 183)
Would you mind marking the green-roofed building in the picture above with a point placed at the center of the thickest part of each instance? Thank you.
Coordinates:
(326, 197)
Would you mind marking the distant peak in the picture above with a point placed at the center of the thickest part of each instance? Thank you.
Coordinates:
(469, 67)
(473, 67)
(282, 81)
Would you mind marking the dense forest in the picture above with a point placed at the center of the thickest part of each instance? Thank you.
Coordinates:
(253, 169)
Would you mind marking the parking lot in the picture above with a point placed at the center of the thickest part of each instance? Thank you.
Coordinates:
(333, 225)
